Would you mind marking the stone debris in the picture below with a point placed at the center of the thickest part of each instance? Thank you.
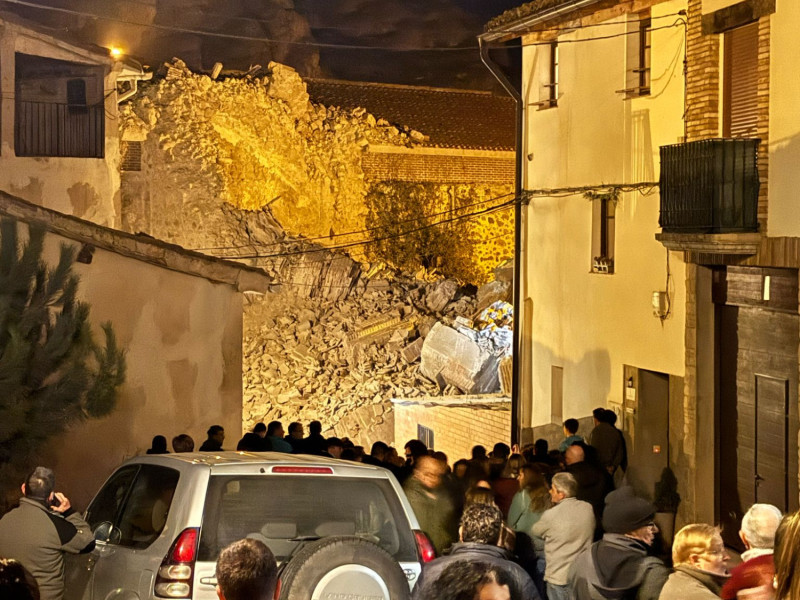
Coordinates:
(342, 360)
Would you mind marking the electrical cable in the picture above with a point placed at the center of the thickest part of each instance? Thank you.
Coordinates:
(503, 206)
(367, 230)
(301, 43)
(236, 37)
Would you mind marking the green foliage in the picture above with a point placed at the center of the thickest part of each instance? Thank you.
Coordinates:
(403, 216)
(52, 373)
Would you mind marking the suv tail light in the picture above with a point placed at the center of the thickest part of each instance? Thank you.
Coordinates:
(426, 550)
(174, 579)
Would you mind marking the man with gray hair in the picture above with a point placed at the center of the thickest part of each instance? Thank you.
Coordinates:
(567, 530)
(758, 535)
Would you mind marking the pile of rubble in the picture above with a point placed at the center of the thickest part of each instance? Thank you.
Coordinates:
(342, 361)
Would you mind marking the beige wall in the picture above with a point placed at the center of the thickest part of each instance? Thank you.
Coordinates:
(591, 324)
(84, 187)
(182, 335)
(455, 429)
(784, 125)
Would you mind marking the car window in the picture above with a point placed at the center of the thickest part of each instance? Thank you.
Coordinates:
(136, 501)
(107, 504)
(283, 512)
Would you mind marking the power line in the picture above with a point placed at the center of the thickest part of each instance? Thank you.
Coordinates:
(237, 37)
(368, 230)
(314, 44)
(503, 206)
(678, 22)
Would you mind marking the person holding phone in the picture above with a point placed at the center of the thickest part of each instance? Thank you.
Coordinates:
(41, 529)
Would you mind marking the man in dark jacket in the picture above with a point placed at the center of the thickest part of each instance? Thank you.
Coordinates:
(607, 440)
(431, 502)
(480, 533)
(41, 529)
(618, 565)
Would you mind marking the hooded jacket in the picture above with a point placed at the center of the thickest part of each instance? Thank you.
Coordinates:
(618, 568)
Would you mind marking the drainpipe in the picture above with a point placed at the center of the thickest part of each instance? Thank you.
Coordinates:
(516, 381)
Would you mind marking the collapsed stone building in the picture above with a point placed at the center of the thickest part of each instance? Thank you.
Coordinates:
(252, 168)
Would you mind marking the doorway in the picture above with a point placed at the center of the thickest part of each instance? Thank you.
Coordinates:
(757, 364)
(646, 411)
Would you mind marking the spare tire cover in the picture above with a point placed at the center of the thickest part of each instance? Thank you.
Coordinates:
(343, 568)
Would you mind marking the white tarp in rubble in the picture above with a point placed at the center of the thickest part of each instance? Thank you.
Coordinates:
(454, 357)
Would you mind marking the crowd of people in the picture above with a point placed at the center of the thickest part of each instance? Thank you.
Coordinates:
(527, 524)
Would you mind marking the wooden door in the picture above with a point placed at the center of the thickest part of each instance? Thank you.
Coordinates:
(757, 394)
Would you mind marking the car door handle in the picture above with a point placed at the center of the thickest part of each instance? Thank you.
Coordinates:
(208, 581)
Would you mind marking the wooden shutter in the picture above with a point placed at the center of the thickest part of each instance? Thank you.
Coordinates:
(740, 86)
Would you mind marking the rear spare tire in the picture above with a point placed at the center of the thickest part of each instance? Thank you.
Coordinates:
(343, 567)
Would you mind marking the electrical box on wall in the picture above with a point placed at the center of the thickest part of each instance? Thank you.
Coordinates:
(660, 304)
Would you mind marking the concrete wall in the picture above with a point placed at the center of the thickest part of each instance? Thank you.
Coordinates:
(84, 187)
(592, 324)
(456, 429)
(182, 335)
(784, 125)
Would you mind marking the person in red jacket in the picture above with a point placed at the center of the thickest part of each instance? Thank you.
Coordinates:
(758, 535)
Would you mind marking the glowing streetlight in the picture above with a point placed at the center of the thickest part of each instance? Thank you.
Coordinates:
(115, 51)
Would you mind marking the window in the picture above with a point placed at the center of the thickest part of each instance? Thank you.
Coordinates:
(548, 76)
(603, 211)
(284, 512)
(740, 82)
(135, 503)
(76, 95)
(637, 82)
(425, 435)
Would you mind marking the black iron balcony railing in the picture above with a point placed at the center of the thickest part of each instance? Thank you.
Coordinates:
(50, 129)
(710, 186)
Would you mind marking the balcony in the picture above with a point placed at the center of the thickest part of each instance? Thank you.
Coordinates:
(709, 196)
(59, 130)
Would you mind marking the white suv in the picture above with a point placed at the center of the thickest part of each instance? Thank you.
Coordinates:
(339, 528)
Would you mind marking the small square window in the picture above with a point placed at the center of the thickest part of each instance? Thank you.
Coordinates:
(425, 435)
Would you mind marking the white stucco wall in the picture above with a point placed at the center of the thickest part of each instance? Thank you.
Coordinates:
(84, 187)
(784, 124)
(710, 6)
(592, 324)
(183, 340)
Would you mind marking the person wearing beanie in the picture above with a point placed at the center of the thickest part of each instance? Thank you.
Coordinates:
(618, 566)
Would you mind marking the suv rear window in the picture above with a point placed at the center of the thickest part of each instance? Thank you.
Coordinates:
(284, 511)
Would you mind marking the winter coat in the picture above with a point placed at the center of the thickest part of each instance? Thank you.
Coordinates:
(38, 538)
(688, 583)
(758, 569)
(470, 552)
(567, 529)
(618, 567)
(434, 511)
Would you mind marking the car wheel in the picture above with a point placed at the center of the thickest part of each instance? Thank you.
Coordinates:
(343, 567)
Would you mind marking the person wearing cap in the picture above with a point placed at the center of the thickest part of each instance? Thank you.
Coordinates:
(41, 529)
(567, 529)
(617, 566)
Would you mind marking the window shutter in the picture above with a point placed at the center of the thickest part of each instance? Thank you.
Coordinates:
(740, 88)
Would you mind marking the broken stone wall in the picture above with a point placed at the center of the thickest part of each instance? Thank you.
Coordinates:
(243, 168)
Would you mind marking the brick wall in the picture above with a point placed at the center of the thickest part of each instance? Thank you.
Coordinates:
(455, 429)
(383, 166)
(703, 78)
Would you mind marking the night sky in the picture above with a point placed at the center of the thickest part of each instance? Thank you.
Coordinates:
(396, 32)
